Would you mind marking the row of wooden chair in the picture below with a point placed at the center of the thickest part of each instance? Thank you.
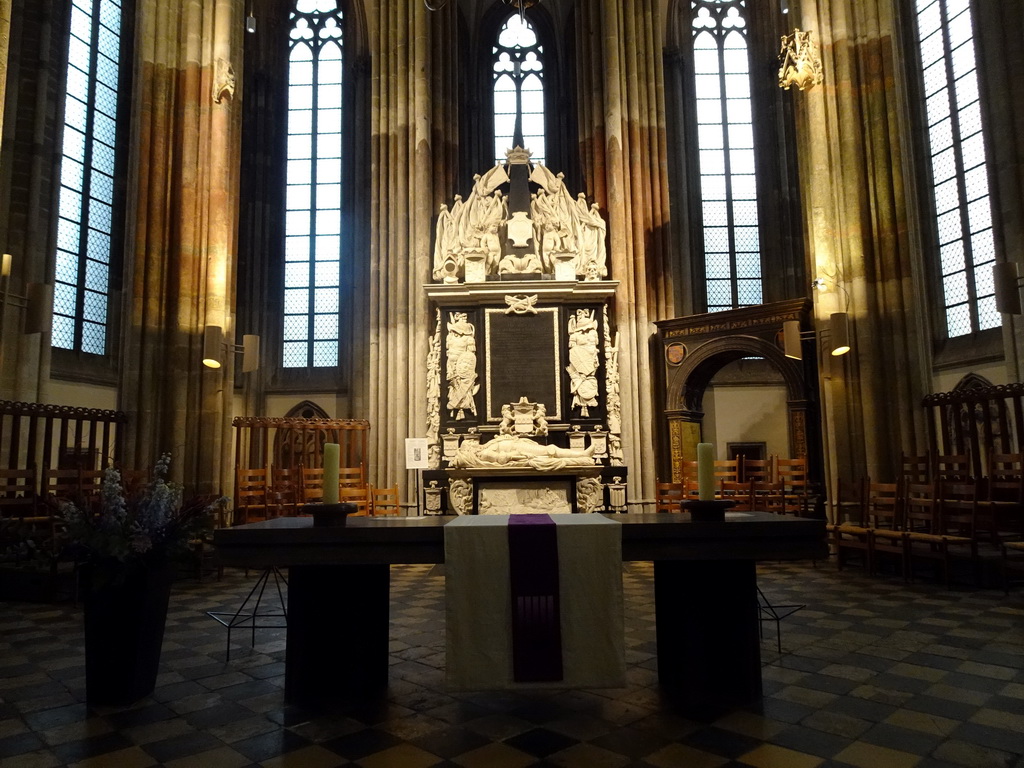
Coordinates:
(774, 484)
(261, 494)
(944, 520)
(30, 502)
(774, 469)
(24, 492)
(749, 496)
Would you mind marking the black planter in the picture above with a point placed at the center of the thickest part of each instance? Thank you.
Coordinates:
(125, 614)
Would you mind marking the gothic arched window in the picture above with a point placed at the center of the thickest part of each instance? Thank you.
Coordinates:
(89, 203)
(956, 160)
(313, 215)
(725, 144)
(518, 65)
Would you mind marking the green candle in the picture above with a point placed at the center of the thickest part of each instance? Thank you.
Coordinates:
(332, 461)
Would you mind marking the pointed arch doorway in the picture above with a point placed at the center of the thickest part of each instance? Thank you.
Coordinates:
(691, 350)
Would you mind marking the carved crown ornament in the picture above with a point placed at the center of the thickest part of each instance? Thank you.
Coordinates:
(800, 61)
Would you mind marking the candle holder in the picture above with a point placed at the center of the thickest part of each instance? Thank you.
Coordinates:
(330, 515)
(709, 511)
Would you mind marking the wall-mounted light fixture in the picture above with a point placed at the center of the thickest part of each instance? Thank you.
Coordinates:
(838, 330)
(37, 301)
(1007, 287)
(214, 347)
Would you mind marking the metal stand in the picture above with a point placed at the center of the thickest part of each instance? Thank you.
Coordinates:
(776, 613)
(241, 619)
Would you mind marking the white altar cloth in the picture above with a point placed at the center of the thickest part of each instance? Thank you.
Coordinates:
(479, 610)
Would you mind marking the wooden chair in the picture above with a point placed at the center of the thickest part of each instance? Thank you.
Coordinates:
(668, 497)
(768, 496)
(950, 532)
(353, 477)
(883, 516)
(18, 497)
(847, 503)
(134, 481)
(251, 498)
(956, 466)
(729, 470)
(285, 493)
(759, 470)
(792, 473)
(384, 501)
(358, 495)
(1001, 507)
(1013, 560)
(739, 493)
(915, 469)
(849, 529)
(80, 486)
(918, 501)
(312, 484)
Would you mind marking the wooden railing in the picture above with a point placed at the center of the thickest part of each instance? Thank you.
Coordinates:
(976, 421)
(44, 437)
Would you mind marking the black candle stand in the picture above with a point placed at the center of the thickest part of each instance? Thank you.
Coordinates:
(709, 511)
(330, 515)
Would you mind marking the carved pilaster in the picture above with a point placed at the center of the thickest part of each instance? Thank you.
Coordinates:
(614, 408)
(434, 395)
(583, 360)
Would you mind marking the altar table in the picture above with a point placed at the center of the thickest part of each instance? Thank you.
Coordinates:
(708, 624)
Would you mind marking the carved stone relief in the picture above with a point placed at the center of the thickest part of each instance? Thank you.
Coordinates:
(531, 498)
(432, 496)
(460, 496)
(583, 360)
(589, 494)
(523, 418)
(460, 346)
(513, 451)
(223, 81)
(521, 305)
(800, 61)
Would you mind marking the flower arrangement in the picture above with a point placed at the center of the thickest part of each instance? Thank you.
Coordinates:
(151, 525)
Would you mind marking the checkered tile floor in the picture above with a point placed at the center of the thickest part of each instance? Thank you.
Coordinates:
(873, 673)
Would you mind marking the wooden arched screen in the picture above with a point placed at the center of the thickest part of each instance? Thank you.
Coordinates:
(691, 350)
(976, 418)
(293, 441)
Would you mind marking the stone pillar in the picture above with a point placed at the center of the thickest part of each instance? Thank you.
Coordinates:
(185, 160)
(623, 151)
(857, 217)
(999, 34)
(414, 86)
(5, 47)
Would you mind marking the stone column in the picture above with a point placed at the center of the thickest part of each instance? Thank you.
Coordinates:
(858, 215)
(623, 152)
(999, 46)
(5, 47)
(185, 160)
(414, 83)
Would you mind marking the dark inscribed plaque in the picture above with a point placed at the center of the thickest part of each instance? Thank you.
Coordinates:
(523, 360)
